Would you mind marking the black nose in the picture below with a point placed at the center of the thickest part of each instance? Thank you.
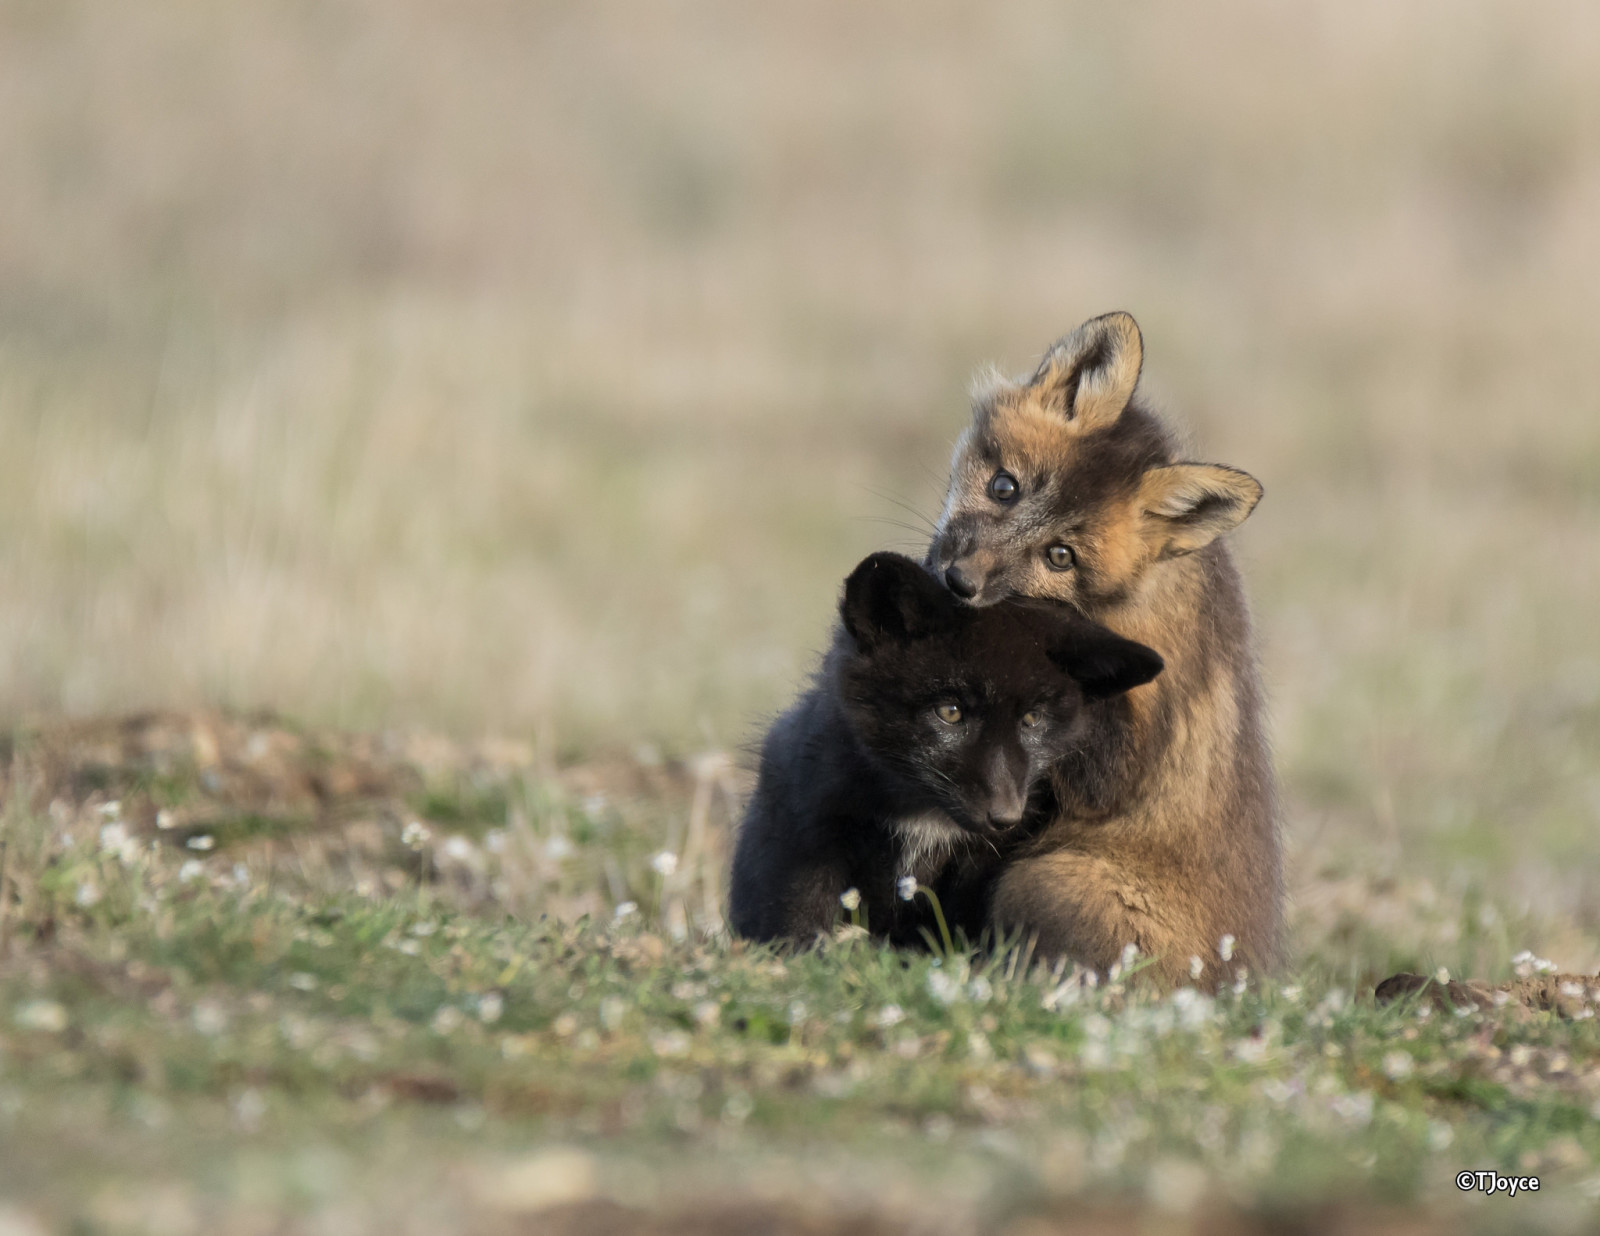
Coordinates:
(960, 583)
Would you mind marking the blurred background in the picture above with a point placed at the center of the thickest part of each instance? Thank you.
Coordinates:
(541, 369)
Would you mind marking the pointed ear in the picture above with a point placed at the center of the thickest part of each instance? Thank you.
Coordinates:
(1088, 376)
(890, 599)
(1187, 506)
(1102, 662)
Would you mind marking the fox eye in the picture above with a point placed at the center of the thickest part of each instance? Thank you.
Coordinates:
(1032, 718)
(1061, 557)
(950, 714)
(1002, 486)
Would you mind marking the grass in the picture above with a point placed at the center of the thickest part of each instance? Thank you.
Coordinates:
(324, 1022)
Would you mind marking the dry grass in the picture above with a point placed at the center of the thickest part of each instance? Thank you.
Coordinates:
(541, 370)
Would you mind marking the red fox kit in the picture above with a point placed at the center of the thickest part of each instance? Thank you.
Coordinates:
(1065, 486)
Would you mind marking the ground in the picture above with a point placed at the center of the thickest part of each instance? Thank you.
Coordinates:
(262, 979)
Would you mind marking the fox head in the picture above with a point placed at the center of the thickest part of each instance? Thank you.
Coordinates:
(1063, 488)
(967, 709)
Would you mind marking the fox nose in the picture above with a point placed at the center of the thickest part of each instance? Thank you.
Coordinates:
(960, 582)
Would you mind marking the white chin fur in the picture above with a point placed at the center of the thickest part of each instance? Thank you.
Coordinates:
(931, 835)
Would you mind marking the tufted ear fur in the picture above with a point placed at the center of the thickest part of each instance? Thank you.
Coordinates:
(1185, 507)
(1088, 376)
(889, 598)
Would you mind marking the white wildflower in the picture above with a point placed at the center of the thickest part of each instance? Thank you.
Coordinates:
(111, 810)
(906, 887)
(1441, 976)
(623, 910)
(209, 1018)
(1130, 954)
(1440, 1135)
(191, 870)
(706, 1013)
(459, 849)
(490, 1006)
(447, 1019)
(671, 1044)
(888, 1015)
(557, 847)
(1225, 948)
(301, 981)
(88, 894)
(41, 1015)
(850, 899)
(1196, 968)
(944, 988)
(415, 835)
(1398, 1065)
(202, 842)
(165, 820)
(422, 930)
(612, 1010)
(980, 991)
(495, 841)
(664, 863)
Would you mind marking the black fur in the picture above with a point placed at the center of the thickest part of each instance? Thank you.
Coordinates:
(865, 748)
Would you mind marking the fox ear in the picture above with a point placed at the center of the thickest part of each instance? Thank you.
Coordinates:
(1187, 506)
(1088, 376)
(891, 599)
(1102, 662)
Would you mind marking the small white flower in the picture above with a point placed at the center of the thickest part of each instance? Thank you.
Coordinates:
(447, 1019)
(458, 849)
(1440, 1135)
(1196, 968)
(301, 981)
(41, 1015)
(1441, 976)
(706, 1013)
(1398, 1065)
(111, 810)
(623, 910)
(88, 894)
(191, 870)
(415, 835)
(424, 929)
(980, 991)
(945, 988)
(209, 1018)
(889, 1015)
(1225, 948)
(490, 1006)
(205, 841)
(1130, 954)
(664, 863)
(850, 899)
(557, 848)
(670, 1043)
(165, 820)
(906, 887)
(495, 841)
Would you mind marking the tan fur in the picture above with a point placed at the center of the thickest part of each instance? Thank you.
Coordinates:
(1183, 850)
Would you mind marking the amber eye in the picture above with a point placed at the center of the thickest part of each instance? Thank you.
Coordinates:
(950, 714)
(1061, 557)
(1032, 718)
(1002, 487)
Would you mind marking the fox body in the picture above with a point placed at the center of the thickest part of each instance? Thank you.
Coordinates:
(1066, 487)
(925, 749)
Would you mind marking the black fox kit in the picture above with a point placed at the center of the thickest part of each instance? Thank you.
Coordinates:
(1066, 487)
(924, 749)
